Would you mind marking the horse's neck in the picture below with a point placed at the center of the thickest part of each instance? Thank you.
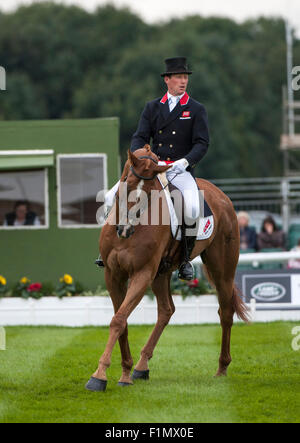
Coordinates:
(125, 171)
(158, 206)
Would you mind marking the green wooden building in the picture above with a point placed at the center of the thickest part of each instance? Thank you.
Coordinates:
(54, 169)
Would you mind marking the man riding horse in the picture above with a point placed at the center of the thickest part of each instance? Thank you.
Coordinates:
(180, 135)
(178, 127)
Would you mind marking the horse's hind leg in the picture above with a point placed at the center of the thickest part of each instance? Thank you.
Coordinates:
(221, 259)
(165, 308)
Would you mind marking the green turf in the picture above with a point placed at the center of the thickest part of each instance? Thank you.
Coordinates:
(44, 370)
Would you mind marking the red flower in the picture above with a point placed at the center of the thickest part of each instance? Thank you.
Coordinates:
(193, 283)
(34, 287)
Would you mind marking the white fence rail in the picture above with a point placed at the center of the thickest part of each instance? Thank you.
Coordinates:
(265, 257)
(98, 311)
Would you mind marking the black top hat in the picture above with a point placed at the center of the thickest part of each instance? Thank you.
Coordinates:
(176, 65)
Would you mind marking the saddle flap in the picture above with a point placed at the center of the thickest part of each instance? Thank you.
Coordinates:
(205, 223)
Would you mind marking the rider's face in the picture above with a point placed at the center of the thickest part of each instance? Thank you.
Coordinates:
(177, 83)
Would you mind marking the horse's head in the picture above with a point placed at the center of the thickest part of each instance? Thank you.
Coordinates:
(142, 167)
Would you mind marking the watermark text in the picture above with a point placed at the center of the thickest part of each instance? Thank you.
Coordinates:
(2, 79)
(296, 79)
(2, 339)
(296, 339)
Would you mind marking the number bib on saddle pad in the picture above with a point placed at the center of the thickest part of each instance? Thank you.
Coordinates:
(205, 224)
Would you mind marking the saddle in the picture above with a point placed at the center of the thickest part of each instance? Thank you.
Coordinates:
(205, 222)
(203, 227)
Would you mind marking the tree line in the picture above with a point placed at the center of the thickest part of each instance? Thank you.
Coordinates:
(64, 62)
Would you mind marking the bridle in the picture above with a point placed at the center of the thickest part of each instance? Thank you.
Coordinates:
(141, 177)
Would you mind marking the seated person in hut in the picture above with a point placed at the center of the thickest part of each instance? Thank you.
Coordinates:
(21, 215)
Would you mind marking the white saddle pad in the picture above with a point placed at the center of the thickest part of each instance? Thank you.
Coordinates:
(206, 224)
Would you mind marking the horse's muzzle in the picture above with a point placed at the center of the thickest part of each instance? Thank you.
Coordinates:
(125, 231)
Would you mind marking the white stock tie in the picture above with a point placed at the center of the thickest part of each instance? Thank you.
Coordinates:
(173, 102)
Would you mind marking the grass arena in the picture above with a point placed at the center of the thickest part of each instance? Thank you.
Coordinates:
(44, 370)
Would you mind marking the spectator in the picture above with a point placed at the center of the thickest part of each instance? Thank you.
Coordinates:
(270, 236)
(21, 216)
(295, 263)
(247, 234)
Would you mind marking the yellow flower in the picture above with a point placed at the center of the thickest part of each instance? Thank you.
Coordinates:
(68, 279)
(2, 281)
(24, 280)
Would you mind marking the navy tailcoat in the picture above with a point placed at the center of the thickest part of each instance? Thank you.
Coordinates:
(182, 133)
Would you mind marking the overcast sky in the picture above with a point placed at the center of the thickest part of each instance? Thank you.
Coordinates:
(160, 10)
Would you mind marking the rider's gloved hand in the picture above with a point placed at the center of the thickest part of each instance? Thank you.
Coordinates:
(179, 166)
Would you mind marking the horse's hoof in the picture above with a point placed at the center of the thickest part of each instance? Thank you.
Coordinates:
(142, 375)
(220, 374)
(96, 385)
(123, 384)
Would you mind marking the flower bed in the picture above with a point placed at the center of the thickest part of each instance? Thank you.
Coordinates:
(195, 287)
(25, 289)
(69, 287)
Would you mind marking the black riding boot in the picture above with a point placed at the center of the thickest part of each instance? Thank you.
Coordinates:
(186, 270)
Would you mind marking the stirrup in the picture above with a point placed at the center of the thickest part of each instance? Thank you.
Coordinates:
(186, 271)
(99, 262)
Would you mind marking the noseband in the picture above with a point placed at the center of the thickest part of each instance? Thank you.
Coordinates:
(140, 176)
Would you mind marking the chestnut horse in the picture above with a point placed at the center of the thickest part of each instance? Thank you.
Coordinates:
(133, 255)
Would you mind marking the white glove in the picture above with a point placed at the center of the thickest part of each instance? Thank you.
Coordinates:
(179, 166)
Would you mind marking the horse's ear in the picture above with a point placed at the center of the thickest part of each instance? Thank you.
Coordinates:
(133, 158)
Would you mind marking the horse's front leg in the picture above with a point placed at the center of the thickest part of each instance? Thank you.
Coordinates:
(135, 292)
(165, 308)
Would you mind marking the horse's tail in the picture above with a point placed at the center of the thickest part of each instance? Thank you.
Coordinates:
(240, 308)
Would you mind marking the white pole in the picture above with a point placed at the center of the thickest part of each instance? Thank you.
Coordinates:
(253, 308)
(289, 43)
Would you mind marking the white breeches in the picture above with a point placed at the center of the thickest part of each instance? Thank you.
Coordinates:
(188, 186)
(184, 182)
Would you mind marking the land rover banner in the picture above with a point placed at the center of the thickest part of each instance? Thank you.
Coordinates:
(270, 286)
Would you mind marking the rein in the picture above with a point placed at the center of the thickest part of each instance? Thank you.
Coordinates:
(146, 178)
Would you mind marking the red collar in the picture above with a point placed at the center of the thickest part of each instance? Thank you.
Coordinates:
(183, 101)
(164, 99)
